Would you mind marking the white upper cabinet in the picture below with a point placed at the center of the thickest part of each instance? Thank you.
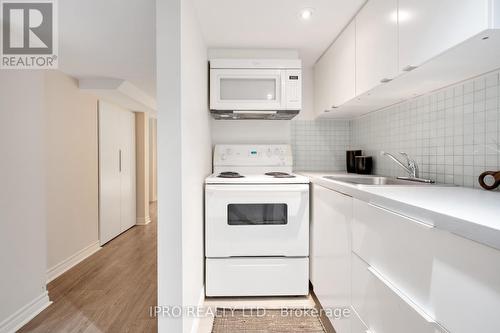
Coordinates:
(322, 83)
(371, 64)
(429, 27)
(335, 72)
(376, 44)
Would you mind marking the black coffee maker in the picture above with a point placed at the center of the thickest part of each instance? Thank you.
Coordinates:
(357, 163)
(351, 160)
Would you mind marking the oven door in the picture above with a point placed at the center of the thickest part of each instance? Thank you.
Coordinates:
(257, 220)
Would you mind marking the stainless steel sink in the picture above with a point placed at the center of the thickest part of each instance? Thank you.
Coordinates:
(375, 180)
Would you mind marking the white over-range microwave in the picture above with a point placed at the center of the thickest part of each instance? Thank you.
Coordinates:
(255, 89)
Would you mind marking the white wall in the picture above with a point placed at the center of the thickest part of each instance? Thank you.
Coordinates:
(184, 156)
(72, 170)
(196, 155)
(262, 131)
(168, 70)
(153, 170)
(142, 167)
(250, 131)
(22, 198)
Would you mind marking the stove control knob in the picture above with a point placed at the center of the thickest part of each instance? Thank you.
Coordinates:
(229, 151)
(223, 157)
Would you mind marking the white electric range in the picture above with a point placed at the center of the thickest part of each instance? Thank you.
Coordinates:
(256, 223)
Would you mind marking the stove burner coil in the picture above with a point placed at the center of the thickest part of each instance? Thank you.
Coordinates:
(278, 174)
(230, 174)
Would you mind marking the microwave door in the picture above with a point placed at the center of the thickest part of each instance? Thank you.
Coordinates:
(243, 89)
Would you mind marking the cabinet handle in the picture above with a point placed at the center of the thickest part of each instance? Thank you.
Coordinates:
(406, 299)
(409, 68)
(353, 309)
(334, 107)
(420, 223)
(120, 160)
(385, 80)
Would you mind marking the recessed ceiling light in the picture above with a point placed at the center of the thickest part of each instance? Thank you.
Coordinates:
(306, 13)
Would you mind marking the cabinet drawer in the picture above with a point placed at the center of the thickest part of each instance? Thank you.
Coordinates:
(382, 307)
(257, 276)
(396, 246)
(445, 275)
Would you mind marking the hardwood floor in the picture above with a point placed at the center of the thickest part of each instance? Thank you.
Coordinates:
(111, 291)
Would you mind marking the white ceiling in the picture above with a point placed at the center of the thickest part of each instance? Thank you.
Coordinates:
(274, 24)
(116, 38)
(110, 39)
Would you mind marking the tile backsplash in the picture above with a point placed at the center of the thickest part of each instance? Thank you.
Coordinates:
(453, 133)
(320, 145)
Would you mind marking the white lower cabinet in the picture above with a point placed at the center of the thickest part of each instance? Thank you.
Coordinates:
(452, 280)
(331, 251)
(382, 307)
(398, 274)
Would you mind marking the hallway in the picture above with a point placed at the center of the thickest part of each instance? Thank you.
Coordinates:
(111, 291)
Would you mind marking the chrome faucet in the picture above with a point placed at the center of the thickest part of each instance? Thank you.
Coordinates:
(411, 166)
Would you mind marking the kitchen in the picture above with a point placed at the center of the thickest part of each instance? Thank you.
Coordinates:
(418, 78)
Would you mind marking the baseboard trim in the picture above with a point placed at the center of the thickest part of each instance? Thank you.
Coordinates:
(197, 320)
(22, 316)
(70, 262)
(143, 220)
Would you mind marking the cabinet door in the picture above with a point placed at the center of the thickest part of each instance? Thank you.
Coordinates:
(344, 66)
(127, 148)
(428, 265)
(117, 201)
(429, 27)
(331, 251)
(109, 172)
(382, 307)
(335, 72)
(323, 77)
(376, 44)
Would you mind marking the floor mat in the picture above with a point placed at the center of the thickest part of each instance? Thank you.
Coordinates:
(267, 321)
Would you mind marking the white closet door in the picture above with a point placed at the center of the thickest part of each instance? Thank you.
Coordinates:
(109, 173)
(117, 203)
(127, 146)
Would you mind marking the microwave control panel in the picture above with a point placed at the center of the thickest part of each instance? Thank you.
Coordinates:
(293, 91)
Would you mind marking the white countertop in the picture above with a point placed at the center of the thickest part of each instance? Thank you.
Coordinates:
(470, 213)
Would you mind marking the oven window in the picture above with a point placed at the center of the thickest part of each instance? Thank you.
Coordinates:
(257, 214)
